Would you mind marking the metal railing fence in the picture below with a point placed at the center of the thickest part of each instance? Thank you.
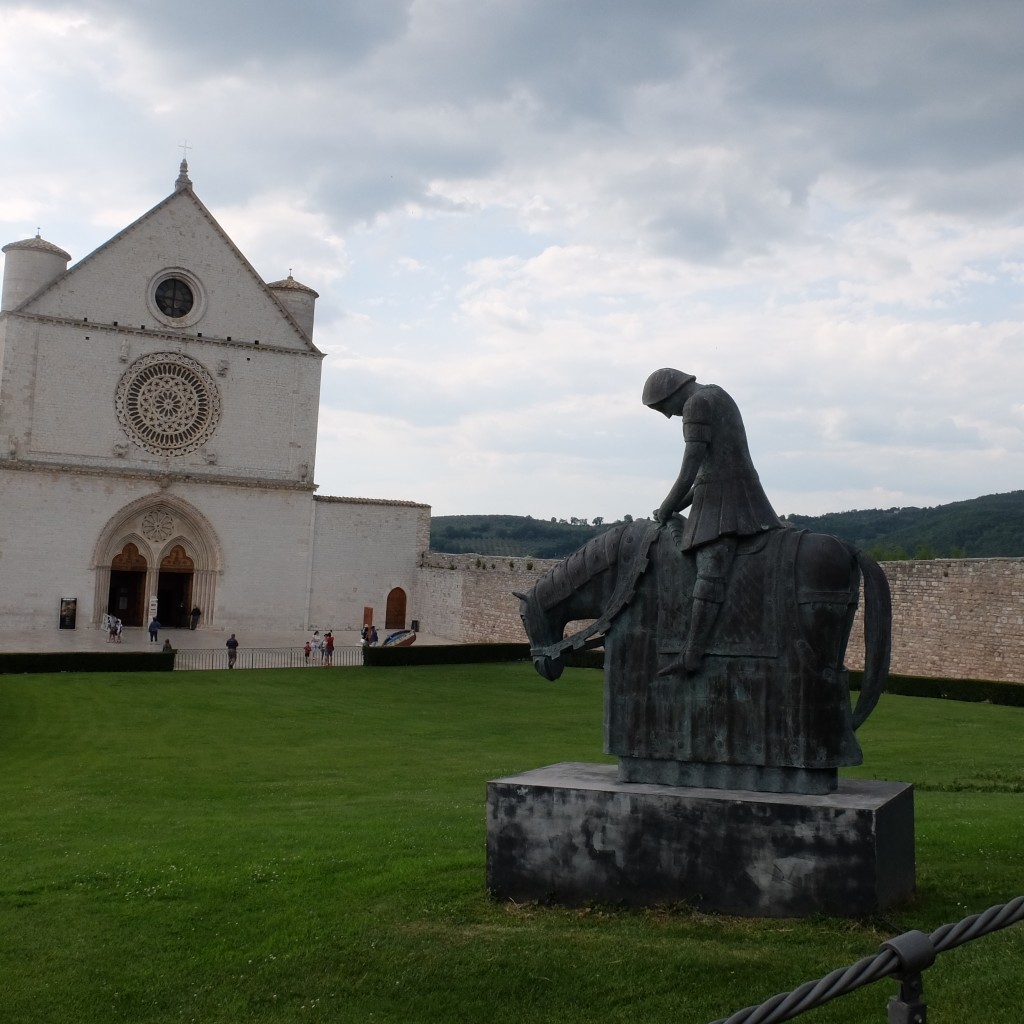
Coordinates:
(903, 957)
(186, 660)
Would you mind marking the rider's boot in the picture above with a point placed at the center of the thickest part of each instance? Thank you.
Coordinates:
(707, 600)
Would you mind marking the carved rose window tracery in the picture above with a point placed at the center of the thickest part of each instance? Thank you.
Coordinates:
(157, 525)
(168, 404)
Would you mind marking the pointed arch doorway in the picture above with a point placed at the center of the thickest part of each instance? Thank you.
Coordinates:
(174, 588)
(126, 596)
(162, 547)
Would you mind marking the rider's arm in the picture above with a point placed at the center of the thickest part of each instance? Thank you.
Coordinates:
(681, 494)
(697, 435)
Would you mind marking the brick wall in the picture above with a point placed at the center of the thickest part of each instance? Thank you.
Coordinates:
(959, 618)
(468, 598)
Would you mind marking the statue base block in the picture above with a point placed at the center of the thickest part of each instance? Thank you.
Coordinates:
(572, 833)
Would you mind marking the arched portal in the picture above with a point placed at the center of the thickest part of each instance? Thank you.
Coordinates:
(176, 557)
(394, 613)
(174, 588)
(126, 595)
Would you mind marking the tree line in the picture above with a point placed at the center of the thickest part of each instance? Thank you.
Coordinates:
(991, 526)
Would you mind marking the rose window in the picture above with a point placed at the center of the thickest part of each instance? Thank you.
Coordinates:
(168, 404)
(157, 524)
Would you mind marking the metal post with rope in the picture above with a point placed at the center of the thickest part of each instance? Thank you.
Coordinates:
(903, 957)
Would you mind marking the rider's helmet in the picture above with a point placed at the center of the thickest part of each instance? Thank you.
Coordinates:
(663, 383)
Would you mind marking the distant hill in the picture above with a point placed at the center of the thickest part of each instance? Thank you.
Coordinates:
(513, 536)
(988, 527)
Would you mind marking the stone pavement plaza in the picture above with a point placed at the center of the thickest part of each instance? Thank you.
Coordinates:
(93, 638)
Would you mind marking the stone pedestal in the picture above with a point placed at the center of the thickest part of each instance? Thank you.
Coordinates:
(571, 833)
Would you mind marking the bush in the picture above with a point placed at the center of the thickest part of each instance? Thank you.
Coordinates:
(87, 661)
(593, 658)
(444, 654)
(972, 690)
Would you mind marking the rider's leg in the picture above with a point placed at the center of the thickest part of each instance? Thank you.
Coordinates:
(714, 561)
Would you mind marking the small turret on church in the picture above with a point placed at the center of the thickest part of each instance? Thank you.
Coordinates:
(30, 265)
(298, 299)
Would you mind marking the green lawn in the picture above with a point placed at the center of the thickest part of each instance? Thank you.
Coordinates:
(309, 846)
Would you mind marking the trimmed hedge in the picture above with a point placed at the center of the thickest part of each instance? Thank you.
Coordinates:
(87, 661)
(593, 658)
(971, 690)
(444, 654)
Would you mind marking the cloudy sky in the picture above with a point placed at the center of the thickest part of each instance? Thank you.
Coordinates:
(514, 210)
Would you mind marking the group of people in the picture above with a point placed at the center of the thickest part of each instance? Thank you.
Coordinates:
(114, 629)
(320, 648)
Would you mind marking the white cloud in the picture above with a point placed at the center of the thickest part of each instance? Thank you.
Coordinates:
(514, 212)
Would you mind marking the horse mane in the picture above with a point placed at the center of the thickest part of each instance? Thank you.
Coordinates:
(598, 555)
(624, 548)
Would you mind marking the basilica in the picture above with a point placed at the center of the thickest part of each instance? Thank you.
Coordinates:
(158, 427)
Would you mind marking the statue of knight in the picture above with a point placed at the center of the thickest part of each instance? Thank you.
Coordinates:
(718, 483)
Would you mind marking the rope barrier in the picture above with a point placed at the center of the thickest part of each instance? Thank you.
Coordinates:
(907, 953)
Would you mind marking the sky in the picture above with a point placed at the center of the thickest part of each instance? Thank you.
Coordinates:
(516, 210)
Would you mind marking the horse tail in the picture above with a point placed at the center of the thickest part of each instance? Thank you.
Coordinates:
(877, 636)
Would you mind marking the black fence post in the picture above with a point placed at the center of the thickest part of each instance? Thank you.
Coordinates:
(916, 952)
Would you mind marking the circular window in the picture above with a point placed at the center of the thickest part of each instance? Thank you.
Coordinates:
(168, 404)
(174, 298)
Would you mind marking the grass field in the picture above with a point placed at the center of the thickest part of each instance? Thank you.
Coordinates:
(309, 846)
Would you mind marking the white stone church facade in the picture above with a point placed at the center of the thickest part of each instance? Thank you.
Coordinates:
(158, 426)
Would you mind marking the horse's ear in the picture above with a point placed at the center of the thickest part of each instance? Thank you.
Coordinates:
(515, 593)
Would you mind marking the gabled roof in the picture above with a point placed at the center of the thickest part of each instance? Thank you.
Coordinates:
(182, 193)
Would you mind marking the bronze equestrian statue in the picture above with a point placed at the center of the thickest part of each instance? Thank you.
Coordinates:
(724, 632)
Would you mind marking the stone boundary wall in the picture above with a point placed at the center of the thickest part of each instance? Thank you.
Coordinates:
(954, 618)
(468, 598)
(959, 618)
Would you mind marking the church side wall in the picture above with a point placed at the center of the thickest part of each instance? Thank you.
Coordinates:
(363, 549)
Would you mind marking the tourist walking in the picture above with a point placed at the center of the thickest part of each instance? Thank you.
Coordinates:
(154, 626)
(232, 646)
(193, 620)
(328, 648)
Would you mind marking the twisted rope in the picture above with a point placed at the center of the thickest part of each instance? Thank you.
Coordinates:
(787, 1005)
